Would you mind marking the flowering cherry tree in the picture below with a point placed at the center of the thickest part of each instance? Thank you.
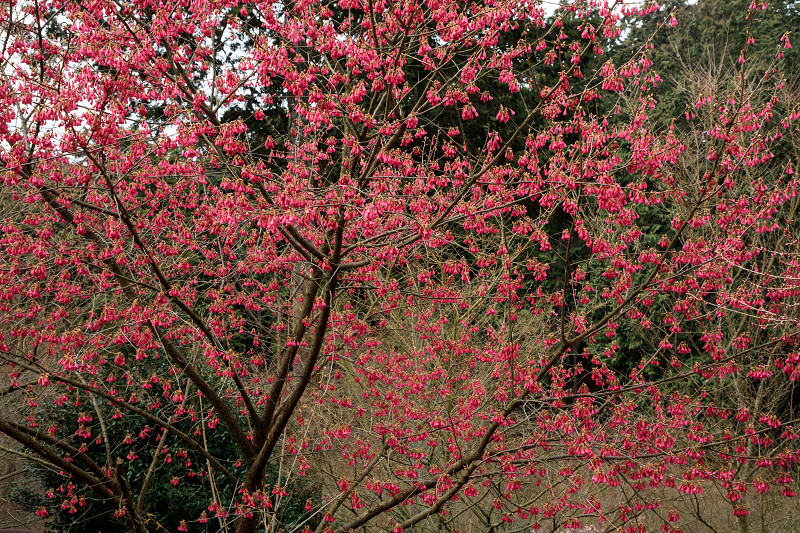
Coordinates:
(390, 246)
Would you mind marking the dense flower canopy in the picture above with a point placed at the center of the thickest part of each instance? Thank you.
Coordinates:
(401, 248)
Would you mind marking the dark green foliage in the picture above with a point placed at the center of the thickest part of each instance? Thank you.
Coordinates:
(179, 488)
(705, 48)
